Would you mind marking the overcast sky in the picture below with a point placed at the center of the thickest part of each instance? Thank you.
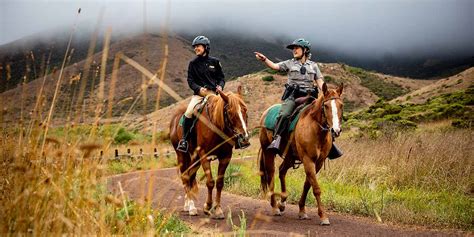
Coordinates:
(362, 26)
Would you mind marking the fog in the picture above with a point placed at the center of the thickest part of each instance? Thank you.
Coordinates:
(369, 28)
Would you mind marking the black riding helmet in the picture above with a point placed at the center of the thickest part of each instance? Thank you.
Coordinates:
(204, 41)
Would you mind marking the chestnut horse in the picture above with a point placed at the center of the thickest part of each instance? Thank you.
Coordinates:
(309, 143)
(222, 123)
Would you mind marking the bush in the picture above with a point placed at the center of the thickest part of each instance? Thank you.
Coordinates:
(329, 79)
(273, 72)
(377, 85)
(268, 78)
(462, 123)
(123, 136)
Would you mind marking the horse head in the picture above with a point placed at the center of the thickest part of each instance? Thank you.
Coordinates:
(235, 117)
(332, 107)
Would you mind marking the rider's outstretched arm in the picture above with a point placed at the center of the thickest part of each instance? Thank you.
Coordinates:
(267, 61)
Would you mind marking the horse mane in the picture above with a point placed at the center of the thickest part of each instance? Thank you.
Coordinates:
(216, 105)
(314, 110)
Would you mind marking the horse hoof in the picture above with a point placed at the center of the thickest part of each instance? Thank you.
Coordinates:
(325, 222)
(303, 216)
(218, 213)
(282, 206)
(207, 209)
(193, 212)
(218, 216)
(277, 212)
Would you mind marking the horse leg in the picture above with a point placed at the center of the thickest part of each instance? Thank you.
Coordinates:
(310, 171)
(223, 163)
(302, 214)
(193, 191)
(187, 178)
(282, 174)
(206, 165)
(269, 165)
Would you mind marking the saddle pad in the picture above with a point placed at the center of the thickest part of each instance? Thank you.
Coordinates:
(199, 108)
(181, 120)
(272, 115)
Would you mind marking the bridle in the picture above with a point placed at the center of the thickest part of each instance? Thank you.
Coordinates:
(228, 126)
(324, 127)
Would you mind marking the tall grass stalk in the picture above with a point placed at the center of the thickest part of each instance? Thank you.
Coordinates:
(56, 91)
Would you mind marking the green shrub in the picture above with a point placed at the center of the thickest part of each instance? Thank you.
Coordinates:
(462, 123)
(377, 85)
(329, 79)
(268, 78)
(123, 136)
(271, 71)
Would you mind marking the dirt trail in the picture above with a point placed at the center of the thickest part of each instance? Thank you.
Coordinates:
(168, 195)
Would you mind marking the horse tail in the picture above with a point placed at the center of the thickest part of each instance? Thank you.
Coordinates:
(264, 177)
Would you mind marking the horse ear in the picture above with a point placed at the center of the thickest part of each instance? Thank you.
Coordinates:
(339, 89)
(239, 89)
(223, 96)
(325, 89)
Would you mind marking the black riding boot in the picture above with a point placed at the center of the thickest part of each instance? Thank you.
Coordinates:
(279, 129)
(285, 112)
(183, 143)
(334, 152)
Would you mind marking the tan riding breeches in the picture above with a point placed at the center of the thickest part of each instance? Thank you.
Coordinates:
(196, 99)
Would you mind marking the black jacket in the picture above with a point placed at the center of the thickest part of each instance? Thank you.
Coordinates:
(205, 72)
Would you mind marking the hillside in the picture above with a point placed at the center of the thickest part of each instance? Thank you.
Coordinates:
(447, 85)
(146, 50)
(260, 94)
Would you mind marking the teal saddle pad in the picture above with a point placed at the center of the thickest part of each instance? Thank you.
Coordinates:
(272, 116)
(199, 111)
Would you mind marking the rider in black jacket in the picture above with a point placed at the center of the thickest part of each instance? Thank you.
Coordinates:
(205, 76)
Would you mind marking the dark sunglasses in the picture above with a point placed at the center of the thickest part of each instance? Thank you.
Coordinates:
(303, 70)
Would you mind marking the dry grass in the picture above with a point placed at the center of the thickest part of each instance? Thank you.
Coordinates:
(64, 191)
(420, 178)
(434, 160)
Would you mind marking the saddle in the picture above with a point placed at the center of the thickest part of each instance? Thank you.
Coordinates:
(272, 115)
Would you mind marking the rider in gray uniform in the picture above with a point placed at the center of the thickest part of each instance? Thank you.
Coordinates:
(303, 77)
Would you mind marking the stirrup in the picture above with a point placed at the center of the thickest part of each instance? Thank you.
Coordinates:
(182, 146)
(275, 145)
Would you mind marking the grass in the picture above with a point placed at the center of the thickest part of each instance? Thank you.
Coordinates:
(419, 178)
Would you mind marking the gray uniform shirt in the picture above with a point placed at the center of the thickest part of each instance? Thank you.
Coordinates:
(305, 81)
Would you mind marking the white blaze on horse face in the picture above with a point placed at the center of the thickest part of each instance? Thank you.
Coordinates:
(335, 119)
(243, 122)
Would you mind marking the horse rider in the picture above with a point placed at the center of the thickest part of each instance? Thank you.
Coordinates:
(304, 77)
(205, 77)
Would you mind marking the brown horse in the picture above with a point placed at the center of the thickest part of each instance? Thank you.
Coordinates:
(309, 143)
(222, 124)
